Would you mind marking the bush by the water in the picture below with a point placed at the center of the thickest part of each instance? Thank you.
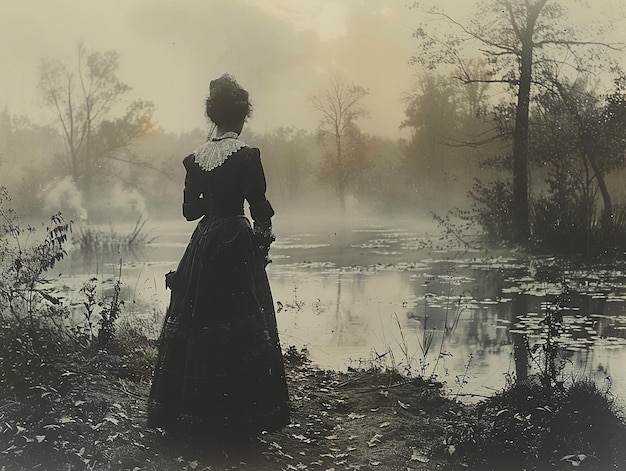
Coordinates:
(533, 426)
(559, 229)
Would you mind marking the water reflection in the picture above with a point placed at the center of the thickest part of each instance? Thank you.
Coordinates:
(372, 293)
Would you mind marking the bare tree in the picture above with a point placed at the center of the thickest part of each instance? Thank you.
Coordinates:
(340, 105)
(83, 99)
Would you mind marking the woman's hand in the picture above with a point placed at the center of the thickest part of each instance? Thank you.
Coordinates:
(263, 238)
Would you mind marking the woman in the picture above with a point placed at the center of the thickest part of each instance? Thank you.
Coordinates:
(219, 370)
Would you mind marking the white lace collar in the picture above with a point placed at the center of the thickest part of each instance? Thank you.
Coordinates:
(216, 150)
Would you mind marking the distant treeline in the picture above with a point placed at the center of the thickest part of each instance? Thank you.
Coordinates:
(148, 183)
(551, 174)
(435, 167)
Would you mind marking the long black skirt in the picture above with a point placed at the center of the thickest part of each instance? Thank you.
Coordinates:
(219, 370)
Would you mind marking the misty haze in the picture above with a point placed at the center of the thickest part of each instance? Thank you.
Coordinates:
(448, 182)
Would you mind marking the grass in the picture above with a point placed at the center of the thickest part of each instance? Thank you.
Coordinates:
(90, 239)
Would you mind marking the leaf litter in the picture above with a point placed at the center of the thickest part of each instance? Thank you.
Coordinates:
(341, 421)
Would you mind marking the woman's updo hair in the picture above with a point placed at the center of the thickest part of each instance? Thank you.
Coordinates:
(227, 104)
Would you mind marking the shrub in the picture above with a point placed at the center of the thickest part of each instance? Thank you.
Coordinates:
(34, 317)
(609, 233)
(532, 426)
(29, 303)
(559, 228)
(49, 417)
(490, 214)
(491, 209)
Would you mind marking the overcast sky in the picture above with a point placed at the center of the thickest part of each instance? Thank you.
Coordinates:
(282, 51)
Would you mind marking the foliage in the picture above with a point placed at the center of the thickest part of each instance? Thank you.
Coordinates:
(110, 312)
(490, 213)
(560, 229)
(523, 44)
(48, 420)
(446, 121)
(532, 426)
(27, 300)
(38, 320)
(297, 358)
(609, 234)
(85, 331)
(100, 314)
(563, 222)
(433, 114)
(559, 221)
(583, 146)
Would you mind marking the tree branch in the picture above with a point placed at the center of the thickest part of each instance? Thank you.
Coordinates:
(617, 47)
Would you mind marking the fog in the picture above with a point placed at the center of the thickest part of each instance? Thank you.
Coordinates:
(281, 51)
(357, 261)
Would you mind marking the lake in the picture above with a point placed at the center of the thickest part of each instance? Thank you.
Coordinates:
(364, 292)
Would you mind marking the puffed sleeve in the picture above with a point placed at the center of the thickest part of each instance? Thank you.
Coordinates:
(255, 186)
(193, 205)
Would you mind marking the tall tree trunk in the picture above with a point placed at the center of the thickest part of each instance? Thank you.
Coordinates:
(340, 177)
(521, 219)
(525, 33)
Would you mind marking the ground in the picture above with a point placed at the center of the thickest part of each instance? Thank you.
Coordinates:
(361, 420)
(358, 420)
(86, 410)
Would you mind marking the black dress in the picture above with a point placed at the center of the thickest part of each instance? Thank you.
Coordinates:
(219, 370)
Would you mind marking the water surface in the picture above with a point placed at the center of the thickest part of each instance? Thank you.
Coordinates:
(365, 293)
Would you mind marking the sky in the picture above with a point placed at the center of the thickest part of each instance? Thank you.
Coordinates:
(281, 51)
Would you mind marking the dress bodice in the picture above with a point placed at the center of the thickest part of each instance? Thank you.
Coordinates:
(221, 191)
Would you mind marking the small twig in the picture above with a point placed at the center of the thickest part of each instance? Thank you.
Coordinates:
(400, 384)
(474, 395)
(351, 380)
(129, 393)
(8, 403)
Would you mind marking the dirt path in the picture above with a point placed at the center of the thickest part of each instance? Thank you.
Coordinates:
(340, 421)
